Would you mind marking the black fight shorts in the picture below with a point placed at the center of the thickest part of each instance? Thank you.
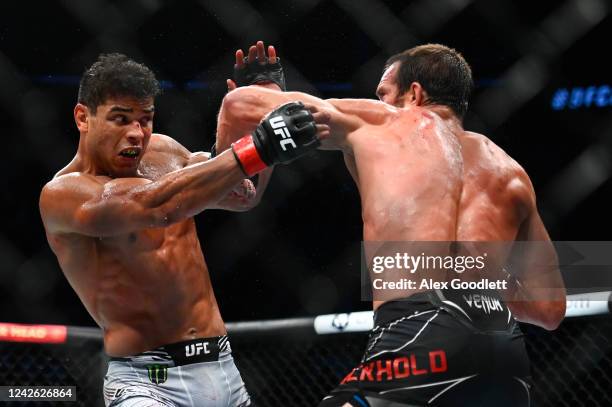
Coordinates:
(452, 348)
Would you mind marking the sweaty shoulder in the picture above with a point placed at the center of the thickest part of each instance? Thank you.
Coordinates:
(486, 160)
(63, 189)
(490, 154)
(166, 154)
(166, 144)
(83, 203)
(73, 181)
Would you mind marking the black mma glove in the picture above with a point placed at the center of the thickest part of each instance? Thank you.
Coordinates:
(283, 135)
(255, 72)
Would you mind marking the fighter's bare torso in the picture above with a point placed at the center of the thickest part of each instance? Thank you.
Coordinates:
(124, 280)
(422, 177)
(409, 177)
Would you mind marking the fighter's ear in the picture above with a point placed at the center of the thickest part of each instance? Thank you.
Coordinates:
(81, 117)
(416, 94)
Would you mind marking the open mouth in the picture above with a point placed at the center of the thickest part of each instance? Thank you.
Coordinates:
(130, 152)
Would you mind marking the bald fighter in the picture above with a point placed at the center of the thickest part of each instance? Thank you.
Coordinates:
(422, 177)
(119, 218)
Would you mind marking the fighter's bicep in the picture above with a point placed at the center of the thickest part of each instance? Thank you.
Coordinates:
(198, 157)
(243, 108)
(62, 199)
(123, 205)
(81, 204)
(356, 113)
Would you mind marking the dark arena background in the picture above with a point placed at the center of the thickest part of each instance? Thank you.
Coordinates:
(543, 93)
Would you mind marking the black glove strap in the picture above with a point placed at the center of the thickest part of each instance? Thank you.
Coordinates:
(254, 72)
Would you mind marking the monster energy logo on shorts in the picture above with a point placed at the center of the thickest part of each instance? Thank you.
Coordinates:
(158, 373)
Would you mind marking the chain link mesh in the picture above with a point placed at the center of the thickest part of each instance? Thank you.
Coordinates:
(81, 364)
(295, 371)
(572, 366)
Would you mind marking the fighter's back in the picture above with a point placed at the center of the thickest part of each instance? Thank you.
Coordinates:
(409, 176)
(496, 193)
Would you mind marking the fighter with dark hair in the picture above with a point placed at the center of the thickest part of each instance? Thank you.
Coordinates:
(119, 218)
(116, 75)
(423, 178)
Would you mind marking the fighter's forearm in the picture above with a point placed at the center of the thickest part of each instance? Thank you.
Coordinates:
(543, 304)
(186, 192)
(241, 198)
(541, 313)
(243, 108)
(537, 289)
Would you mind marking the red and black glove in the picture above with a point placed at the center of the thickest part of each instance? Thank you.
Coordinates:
(283, 135)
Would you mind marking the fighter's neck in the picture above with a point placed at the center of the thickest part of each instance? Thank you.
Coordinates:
(81, 162)
(446, 114)
(83, 159)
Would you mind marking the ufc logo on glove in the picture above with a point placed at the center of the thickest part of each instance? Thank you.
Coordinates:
(280, 129)
(291, 124)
